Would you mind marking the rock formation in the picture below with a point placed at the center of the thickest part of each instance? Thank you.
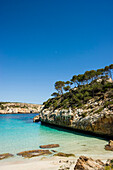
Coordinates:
(8, 108)
(61, 154)
(85, 163)
(49, 146)
(34, 153)
(5, 155)
(95, 117)
(109, 146)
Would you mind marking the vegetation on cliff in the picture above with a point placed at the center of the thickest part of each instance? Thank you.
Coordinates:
(81, 88)
(15, 107)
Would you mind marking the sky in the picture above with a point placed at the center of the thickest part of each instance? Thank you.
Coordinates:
(43, 41)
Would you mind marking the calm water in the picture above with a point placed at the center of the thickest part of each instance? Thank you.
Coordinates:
(19, 133)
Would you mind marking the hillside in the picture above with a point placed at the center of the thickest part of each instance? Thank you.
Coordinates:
(12, 107)
(88, 106)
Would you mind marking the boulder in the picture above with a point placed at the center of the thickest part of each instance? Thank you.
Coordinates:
(36, 118)
(63, 154)
(33, 153)
(109, 164)
(50, 146)
(85, 163)
(109, 146)
(5, 155)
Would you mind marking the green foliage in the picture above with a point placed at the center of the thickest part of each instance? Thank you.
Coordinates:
(2, 107)
(84, 114)
(59, 86)
(67, 88)
(87, 87)
(55, 94)
(107, 103)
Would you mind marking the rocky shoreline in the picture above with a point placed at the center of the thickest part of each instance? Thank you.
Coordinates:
(82, 163)
(11, 107)
(94, 117)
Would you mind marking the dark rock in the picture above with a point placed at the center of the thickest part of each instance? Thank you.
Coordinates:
(36, 118)
(53, 151)
(109, 146)
(49, 146)
(5, 155)
(33, 153)
(64, 154)
(85, 163)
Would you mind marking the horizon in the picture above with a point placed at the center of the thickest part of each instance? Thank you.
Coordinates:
(44, 42)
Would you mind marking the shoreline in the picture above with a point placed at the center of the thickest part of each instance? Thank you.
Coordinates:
(37, 163)
(74, 130)
(42, 163)
(17, 113)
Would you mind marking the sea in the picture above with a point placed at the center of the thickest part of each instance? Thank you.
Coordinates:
(19, 133)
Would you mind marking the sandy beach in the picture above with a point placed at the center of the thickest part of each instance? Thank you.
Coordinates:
(44, 163)
(40, 164)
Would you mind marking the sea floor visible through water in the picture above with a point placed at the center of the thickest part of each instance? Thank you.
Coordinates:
(19, 133)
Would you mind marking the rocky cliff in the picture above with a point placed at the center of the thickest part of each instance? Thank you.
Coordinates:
(96, 116)
(8, 108)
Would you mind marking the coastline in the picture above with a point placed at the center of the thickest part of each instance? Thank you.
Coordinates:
(38, 163)
(42, 163)
(18, 113)
(74, 130)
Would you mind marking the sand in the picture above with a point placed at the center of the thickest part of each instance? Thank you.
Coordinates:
(53, 163)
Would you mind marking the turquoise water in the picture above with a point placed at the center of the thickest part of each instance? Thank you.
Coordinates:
(19, 133)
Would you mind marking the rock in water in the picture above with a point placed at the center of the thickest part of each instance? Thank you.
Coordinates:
(109, 146)
(33, 153)
(36, 118)
(64, 154)
(85, 163)
(5, 155)
(50, 146)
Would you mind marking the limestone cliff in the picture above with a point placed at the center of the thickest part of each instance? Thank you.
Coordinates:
(96, 116)
(11, 107)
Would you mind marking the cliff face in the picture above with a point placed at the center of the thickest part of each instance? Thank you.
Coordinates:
(8, 108)
(95, 116)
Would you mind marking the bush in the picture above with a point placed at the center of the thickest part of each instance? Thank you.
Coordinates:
(84, 114)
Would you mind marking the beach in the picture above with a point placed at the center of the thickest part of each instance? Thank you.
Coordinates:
(39, 163)
(19, 133)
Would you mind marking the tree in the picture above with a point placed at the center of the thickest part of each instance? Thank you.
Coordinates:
(67, 88)
(55, 94)
(87, 76)
(74, 80)
(92, 74)
(59, 86)
(79, 78)
(68, 83)
(111, 69)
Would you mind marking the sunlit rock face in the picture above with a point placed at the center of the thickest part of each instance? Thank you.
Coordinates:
(94, 117)
(85, 163)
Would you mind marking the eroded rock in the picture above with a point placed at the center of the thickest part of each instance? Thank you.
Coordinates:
(85, 163)
(109, 146)
(33, 153)
(5, 155)
(109, 164)
(50, 146)
(36, 118)
(63, 154)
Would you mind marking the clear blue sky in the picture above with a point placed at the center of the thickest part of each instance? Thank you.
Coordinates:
(43, 41)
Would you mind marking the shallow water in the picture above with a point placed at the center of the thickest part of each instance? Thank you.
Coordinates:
(19, 133)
